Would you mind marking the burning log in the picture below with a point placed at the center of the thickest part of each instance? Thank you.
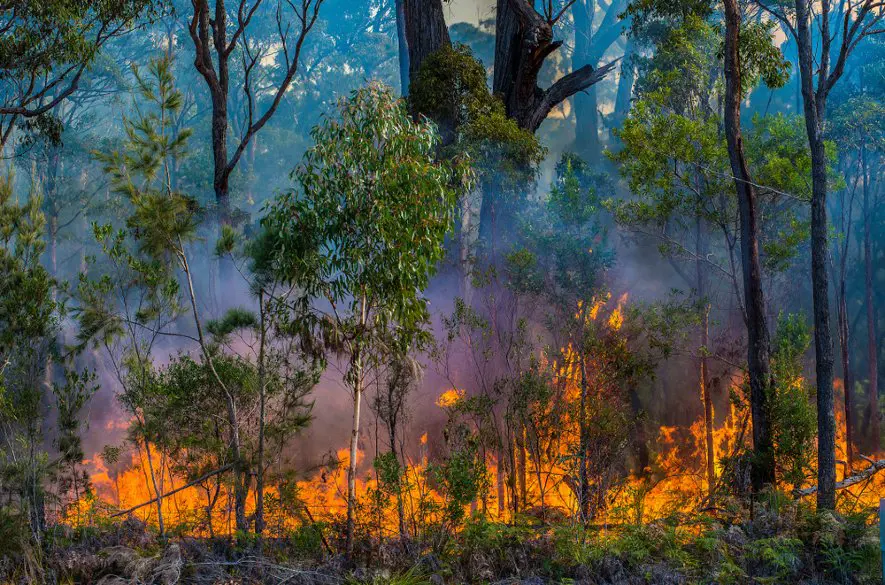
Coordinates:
(874, 468)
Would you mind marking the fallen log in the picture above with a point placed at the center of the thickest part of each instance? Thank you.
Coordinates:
(874, 468)
(203, 477)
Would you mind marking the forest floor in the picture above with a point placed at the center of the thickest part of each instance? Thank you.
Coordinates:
(789, 544)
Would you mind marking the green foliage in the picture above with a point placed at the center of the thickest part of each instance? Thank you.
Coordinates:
(368, 221)
(161, 218)
(233, 320)
(451, 89)
(793, 416)
(26, 305)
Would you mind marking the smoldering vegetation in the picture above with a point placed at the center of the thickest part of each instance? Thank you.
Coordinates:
(357, 292)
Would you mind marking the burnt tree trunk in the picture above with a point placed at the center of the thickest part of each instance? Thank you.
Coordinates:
(758, 345)
(523, 41)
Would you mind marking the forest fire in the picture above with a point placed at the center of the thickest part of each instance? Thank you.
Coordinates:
(673, 484)
(536, 477)
(442, 292)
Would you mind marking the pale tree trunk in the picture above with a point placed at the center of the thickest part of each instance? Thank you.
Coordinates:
(157, 489)
(625, 83)
(758, 345)
(702, 249)
(355, 432)
(585, 103)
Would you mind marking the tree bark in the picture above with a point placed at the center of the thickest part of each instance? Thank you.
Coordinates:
(872, 353)
(814, 107)
(758, 345)
(847, 377)
(625, 83)
(523, 41)
(585, 103)
(402, 47)
(355, 434)
(425, 30)
(262, 393)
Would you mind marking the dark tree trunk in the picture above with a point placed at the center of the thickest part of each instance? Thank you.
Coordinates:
(625, 84)
(872, 353)
(847, 376)
(814, 106)
(402, 46)
(262, 415)
(523, 41)
(425, 30)
(589, 49)
(585, 103)
(758, 347)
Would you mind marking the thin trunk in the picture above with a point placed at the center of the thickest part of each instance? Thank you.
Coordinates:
(847, 377)
(625, 83)
(240, 471)
(262, 381)
(758, 346)
(708, 402)
(703, 367)
(872, 353)
(814, 106)
(355, 433)
(157, 489)
(499, 484)
(521, 460)
(583, 442)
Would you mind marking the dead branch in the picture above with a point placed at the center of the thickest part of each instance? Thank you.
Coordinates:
(874, 468)
(203, 477)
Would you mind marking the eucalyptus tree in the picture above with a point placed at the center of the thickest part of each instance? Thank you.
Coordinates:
(676, 158)
(822, 62)
(741, 71)
(597, 29)
(223, 32)
(363, 233)
(45, 50)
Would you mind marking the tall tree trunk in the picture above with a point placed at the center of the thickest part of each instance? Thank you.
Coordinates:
(847, 377)
(425, 30)
(626, 80)
(355, 434)
(583, 440)
(814, 107)
(701, 251)
(758, 346)
(872, 352)
(262, 393)
(704, 380)
(585, 103)
(402, 47)
(157, 489)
